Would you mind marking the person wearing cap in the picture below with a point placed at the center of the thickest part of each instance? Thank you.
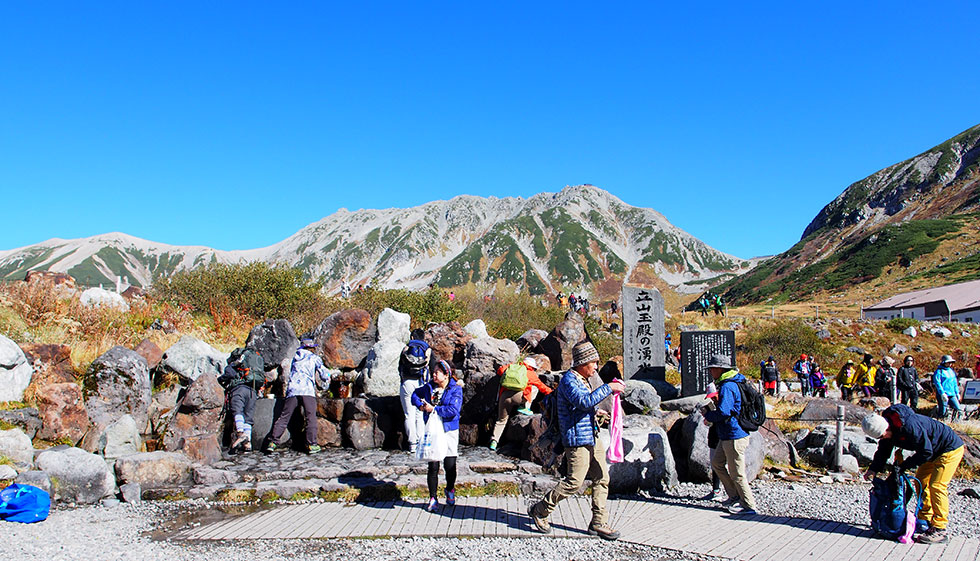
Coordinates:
(846, 379)
(770, 376)
(304, 372)
(866, 375)
(937, 452)
(947, 389)
(584, 453)
(711, 402)
(443, 396)
(729, 459)
(907, 383)
(802, 369)
(516, 401)
(885, 379)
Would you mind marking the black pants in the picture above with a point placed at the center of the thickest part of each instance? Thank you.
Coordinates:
(433, 476)
(909, 397)
(282, 421)
(241, 401)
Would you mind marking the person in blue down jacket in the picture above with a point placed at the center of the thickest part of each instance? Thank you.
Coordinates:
(947, 389)
(585, 454)
(444, 397)
(937, 453)
(729, 459)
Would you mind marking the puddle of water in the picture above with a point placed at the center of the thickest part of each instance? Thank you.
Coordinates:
(193, 518)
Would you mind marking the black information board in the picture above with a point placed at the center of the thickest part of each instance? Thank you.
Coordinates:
(696, 348)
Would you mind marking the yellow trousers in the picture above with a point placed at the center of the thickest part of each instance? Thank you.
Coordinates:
(935, 476)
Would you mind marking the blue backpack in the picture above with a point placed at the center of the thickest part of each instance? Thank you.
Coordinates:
(894, 505)
(24, 503)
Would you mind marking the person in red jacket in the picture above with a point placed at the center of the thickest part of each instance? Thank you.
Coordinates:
(510, 401)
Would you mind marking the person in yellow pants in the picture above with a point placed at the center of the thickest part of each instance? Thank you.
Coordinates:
(937, 453)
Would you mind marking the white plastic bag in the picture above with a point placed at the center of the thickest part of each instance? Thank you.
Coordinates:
(432, 446)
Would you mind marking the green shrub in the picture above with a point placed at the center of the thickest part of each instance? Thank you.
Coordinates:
(901, 324)
(785, 340)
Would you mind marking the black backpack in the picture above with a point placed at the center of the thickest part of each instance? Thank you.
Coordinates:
(753, 412)
(549, 411)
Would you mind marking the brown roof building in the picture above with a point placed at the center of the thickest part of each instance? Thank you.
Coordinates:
(954, 302)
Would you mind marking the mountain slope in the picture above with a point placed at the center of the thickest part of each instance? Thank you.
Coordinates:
(905, 226)
(567, 240)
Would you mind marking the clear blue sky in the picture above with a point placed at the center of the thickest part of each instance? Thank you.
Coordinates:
(233, 125)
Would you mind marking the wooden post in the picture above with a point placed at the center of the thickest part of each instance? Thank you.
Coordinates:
(817, 308)
(839, 451)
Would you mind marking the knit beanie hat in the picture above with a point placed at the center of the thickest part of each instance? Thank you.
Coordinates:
(584, 353)
(874, 425)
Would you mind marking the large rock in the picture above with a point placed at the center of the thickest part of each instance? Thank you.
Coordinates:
(15, 371)
(96, 297)
(16, 445)
(154, 470)
(776, 444)
(276, 342)
(190, 357)
(825, 410)
(57, 280)
(196, 428)
(558, 344)
(37, 478)
(328, 434)
(162, 407)
(120, 438)
(483, 358)
(25, 418)
(345, 338)
(380, 375)
(685, 405)
(639, 398)
(76, 475)
(529, 341)
(360, 428)
(117, 383)
(692, 454)
(62, 412)
(648, 462)
(394, 325)
(151, 353)
(52, 364)
(477, 329)
(448, 342)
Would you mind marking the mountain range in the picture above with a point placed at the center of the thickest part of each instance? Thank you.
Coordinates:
(569, 240)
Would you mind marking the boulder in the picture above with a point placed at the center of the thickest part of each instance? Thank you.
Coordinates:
(76, 476)
(823, 334)
(825, 410)
(380, 375)
(345, 338)
(51, 363)
(162, 407)
(7, 473)
(648, 462)
(62, 412)
(483, 358)
(360, 428)
(639, 398)
(477, 329)
(266, 412)
(941, 332)
(25, 418)
(538, 445)
(448, 342)
(685, 405)
(154, 470)
(190, 357)
(612, 369)
(150, 352)
(544, 363)
(36, 478)
(911, 332)
(898, 350)
(776, 444)
(692, 455)
(59, 280)
(328, 434)
(96, 297)
(117, 383)
(394, 325)
(330, 409)
(131, 492)
(558, 344)
(16, 445)
(120, 438)
(530, 339)
(197, 425)
(15, 371)
(276, 342)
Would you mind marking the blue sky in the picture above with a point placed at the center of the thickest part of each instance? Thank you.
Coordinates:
(233, 125)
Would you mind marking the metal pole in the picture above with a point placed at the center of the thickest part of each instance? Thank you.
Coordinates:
(839, 451)
(773, 313)
(817, 312)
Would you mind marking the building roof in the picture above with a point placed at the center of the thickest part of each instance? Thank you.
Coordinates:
(962, 296)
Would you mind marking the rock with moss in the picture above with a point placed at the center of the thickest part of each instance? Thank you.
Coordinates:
(195, 429)
(120, 438)
(76, 476)
(117, 383)
(154, 470)
(15, 371)
(62, 412)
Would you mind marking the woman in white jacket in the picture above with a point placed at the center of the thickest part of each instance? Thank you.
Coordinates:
(306, 369)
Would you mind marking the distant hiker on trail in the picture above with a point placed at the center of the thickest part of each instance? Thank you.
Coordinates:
(846, 379)
(719, 305)
(572, 301)
(885, 379)
(907, 382)
(703, 305)
(818, 381)
(519, 385)
(947, 390)
(614, 308)
(413, 371)
(306, 370)
(802, 369)
(584, 453)
(243, 379)
(344, 289)
(452, 296)
(866, 376)
(442, 396)
(937, 453)
(770, 376)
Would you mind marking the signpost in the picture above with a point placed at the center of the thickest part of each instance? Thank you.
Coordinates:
(643, 332)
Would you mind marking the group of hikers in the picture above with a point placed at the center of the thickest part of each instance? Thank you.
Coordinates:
(429, 387)
(574, 303)
(709, 301)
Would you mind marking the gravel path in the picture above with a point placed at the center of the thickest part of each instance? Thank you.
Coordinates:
(123, 532)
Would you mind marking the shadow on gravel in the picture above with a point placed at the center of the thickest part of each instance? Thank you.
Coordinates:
(188, 519)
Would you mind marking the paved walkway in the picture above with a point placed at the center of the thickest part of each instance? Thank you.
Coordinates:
(686, 528)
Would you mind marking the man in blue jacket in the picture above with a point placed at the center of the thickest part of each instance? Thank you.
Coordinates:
(729, 459)
(585, 454)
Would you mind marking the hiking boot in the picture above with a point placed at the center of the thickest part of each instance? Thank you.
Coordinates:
(604, 531)
(524, 411)
(493, 445)
(741, 509)
(433, 505)
(240, 438)
(921, 525)
(540, 522)
(270, 447)
(450, 497)
(313, 449)
(729, 502)
(933, 535)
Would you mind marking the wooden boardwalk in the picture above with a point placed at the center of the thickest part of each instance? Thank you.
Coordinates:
(686, 528)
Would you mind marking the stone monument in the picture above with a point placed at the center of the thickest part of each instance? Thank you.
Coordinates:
(696, 348)
(643, 332)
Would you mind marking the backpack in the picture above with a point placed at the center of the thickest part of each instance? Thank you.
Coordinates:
(250, 367)
(894, 506)
(753, 412)
(24, 503)
(515, 377)
(413, 361)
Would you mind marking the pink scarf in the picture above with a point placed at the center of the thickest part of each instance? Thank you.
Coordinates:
(615, 452)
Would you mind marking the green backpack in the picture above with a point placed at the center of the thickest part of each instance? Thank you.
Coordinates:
(515, 377)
